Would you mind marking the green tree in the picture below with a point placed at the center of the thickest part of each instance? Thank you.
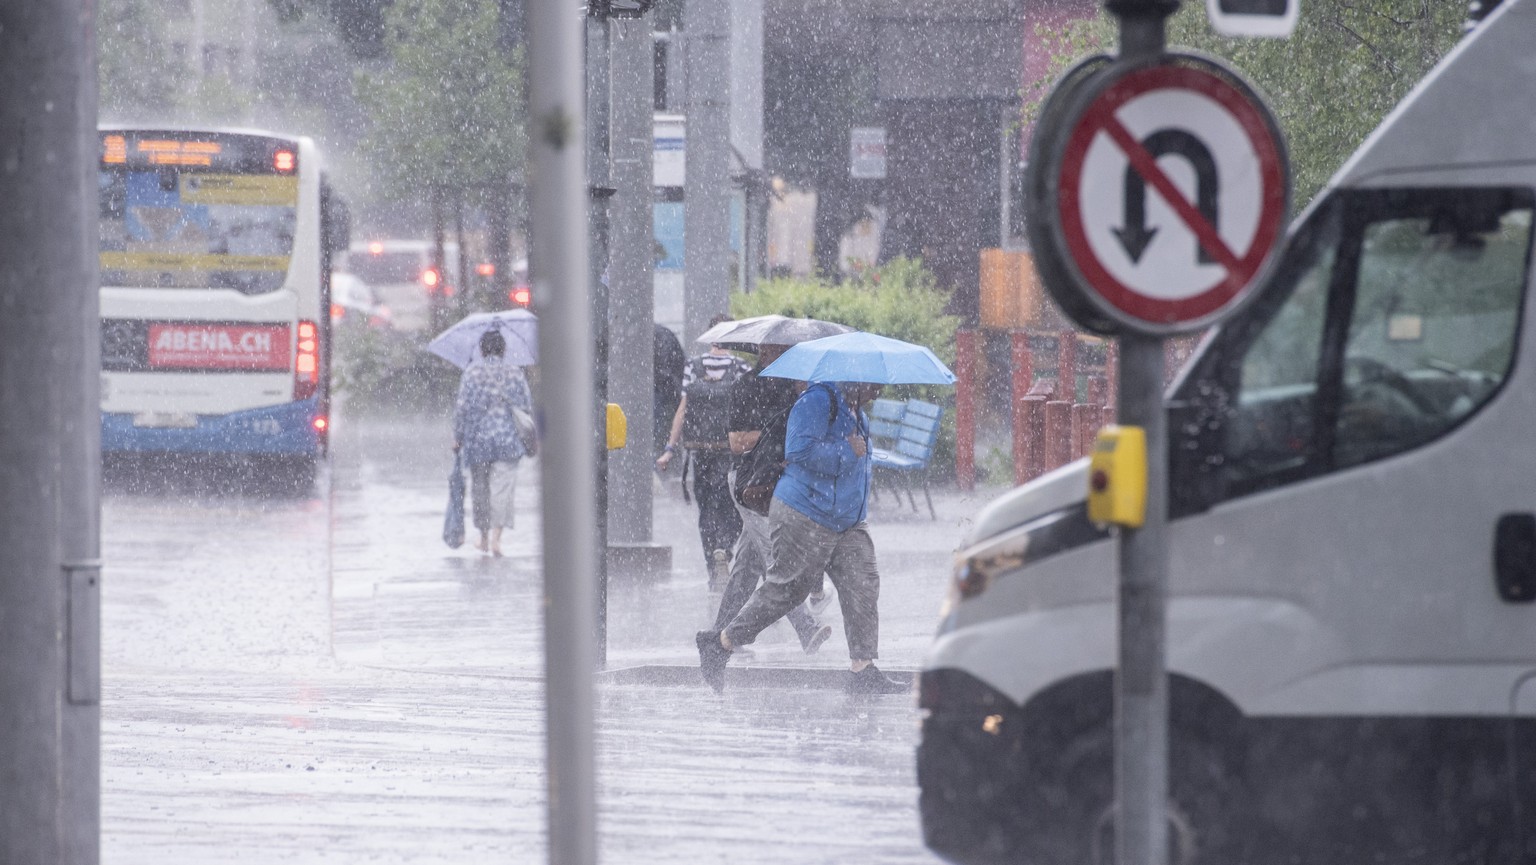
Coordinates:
(447, 121)
(446, 112)
(359, 22)
(136, 72)
(1348, 63)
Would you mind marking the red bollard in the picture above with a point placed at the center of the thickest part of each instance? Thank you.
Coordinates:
(1023, 378)
(1098, 390)
(1112, 373)
(1058, 433)
(1066, 365)
(1078, 429)
(1033, 463)
(965, 409)
(1086, 420)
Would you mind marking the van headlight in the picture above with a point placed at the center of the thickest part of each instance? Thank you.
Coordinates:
(977, 566)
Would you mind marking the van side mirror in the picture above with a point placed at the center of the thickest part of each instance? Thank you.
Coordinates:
(1514, 558)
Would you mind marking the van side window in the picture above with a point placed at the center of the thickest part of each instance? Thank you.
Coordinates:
(1394, 318)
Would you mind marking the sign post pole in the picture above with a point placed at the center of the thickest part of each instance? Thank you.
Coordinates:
(1141, 680)
(1127, 250)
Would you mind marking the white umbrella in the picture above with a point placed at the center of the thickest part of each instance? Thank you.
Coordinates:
(460, 344)
(751, 334)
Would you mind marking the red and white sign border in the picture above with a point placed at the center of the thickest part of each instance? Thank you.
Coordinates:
(1095, 115)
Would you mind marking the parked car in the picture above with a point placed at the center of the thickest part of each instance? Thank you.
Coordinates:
(403, 278)
(354, 303)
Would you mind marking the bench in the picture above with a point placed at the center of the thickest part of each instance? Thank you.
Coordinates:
(904, 434)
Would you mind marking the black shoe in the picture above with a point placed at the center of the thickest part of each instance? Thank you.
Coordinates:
(712, 659)
(818, 637)
(871, 681)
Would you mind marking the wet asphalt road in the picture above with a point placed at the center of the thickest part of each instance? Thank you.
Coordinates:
(314, 677)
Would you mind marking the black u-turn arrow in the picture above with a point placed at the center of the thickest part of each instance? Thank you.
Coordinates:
(1136, 236)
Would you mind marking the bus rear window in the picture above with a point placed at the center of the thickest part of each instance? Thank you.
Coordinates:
(169, 227)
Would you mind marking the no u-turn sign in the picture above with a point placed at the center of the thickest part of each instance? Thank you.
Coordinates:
(1161, 193)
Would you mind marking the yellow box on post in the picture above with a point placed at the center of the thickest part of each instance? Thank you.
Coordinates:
(618, 427)
(1117, 477)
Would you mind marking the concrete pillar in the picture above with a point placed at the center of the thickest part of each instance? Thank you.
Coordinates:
(50, 449)
(747, 132)
(706, 191)
(631, 301)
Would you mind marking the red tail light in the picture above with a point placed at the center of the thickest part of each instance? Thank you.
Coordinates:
(338, 312)
(521, 295)
(283, 161)
(306, 361)
(430, 278)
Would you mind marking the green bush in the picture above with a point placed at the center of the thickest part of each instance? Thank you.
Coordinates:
(385, 370)
(900, 299)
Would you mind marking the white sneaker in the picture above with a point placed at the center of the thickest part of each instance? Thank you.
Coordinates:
(719, 570)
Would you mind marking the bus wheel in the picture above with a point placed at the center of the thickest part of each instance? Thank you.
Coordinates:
(301, 472)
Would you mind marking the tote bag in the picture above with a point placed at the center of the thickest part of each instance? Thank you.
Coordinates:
(453, 519)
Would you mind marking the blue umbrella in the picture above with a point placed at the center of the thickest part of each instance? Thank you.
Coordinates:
(860, 356)
(460, 344)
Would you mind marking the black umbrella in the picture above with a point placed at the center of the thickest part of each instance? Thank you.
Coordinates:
(750, 334)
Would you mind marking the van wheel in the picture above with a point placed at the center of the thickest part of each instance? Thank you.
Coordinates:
(1207, 807)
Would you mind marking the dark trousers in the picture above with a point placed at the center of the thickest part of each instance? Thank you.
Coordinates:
(749, 564)
(803, 550)
(719, 524)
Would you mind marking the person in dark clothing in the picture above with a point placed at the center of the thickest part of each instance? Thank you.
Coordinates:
(668, 384)
(756, 403)
(699, 425)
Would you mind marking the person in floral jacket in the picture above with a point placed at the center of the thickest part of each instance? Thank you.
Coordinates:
(486, 436)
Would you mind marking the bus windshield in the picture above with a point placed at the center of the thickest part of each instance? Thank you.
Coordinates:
(192, 226)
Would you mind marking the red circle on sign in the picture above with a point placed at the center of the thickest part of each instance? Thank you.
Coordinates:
(1241, 269)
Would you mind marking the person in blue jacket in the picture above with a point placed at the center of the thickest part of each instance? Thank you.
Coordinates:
(816, 526)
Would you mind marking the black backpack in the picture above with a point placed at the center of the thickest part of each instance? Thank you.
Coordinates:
(709, 408)
(758, 472)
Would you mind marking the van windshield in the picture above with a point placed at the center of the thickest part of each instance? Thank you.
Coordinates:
(1401, 321)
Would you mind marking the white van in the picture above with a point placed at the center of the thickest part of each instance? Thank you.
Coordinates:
(1352, 633)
